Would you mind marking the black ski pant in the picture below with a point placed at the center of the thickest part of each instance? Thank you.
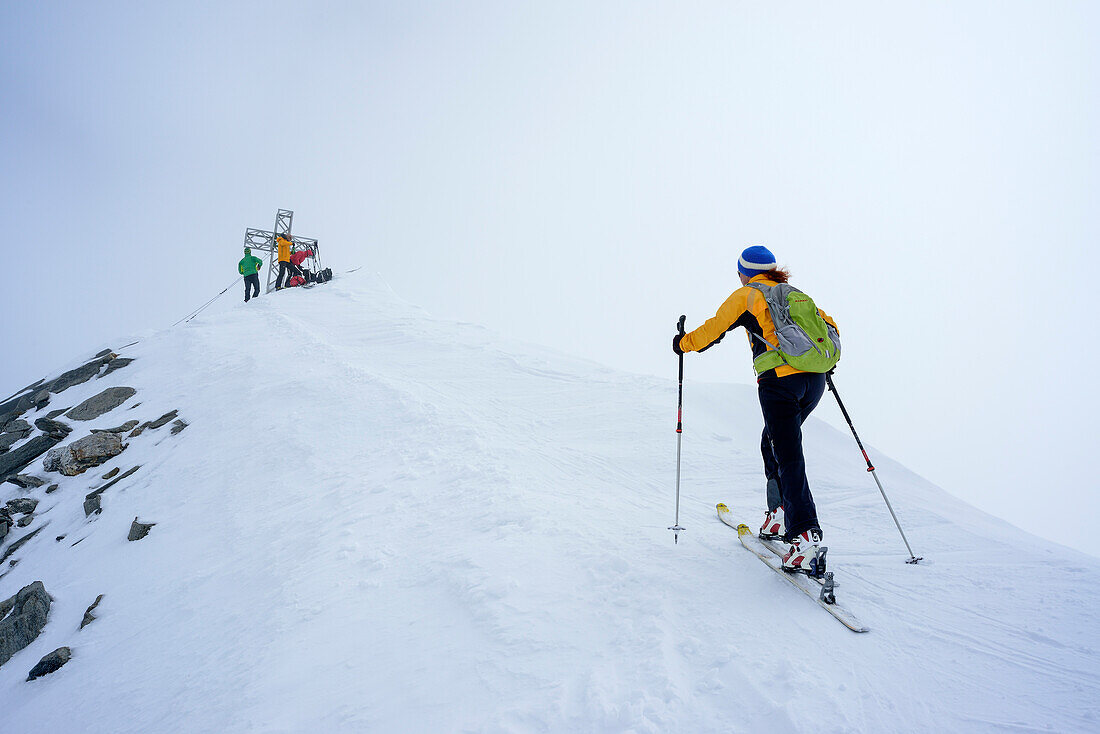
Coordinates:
(288, 269)
(284, 269)
(786, 403)
(251, 283)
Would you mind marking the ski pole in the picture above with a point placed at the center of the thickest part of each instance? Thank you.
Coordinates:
(870, 467)
(679, 435)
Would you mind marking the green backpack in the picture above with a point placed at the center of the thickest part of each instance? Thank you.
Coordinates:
(807, 342)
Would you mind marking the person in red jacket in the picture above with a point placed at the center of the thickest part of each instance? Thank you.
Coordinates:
(296, 259)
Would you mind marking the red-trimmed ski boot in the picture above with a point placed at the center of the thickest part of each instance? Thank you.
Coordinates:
(806, 554)
(773, 524)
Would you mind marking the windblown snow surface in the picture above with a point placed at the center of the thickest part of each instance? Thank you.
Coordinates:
(381, 521)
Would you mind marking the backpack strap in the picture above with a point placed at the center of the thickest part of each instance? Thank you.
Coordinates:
(771, 358)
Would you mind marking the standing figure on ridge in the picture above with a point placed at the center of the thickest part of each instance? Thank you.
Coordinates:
(249, 267)
(296, 259)
(787, 394)
(283, 243)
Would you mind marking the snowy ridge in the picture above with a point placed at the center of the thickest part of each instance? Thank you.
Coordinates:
(381, 521)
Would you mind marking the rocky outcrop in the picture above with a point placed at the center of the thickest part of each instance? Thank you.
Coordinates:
(128, 425)
(155, 424)
(88, 616)
(92, 501)
(14, 432)
(14, 407)
(21, 506)
(14, 461)
(104, 402)
(178, 425)
(51, 662)
(79, 375)
(52, 428)
(17, 426)
(19, 544)
(26, 481)
(93, 505)
(82, 454)
(110, 474)
(115, 364)
(139, 530)
(22, 618)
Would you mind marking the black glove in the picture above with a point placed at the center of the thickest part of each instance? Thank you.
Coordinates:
(676, 343)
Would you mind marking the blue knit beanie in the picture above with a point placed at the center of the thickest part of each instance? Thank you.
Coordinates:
(756, 260)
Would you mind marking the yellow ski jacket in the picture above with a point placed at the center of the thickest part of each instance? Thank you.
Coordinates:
(284, 248)
(745, 307)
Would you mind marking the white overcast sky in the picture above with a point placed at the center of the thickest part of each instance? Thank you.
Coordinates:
(579, 174)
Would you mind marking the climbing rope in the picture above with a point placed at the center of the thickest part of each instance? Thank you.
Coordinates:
(200, 308)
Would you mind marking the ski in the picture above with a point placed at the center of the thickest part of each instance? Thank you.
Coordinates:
(820, 590)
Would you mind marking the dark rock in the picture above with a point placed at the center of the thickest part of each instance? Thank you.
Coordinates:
(21, 506)
(178, 426)
(79, 375)
(163, 419)
(92, 503)
(5, 525)
(52, 488)
(34, 385)
(91, 500)
(116, 364)
(82, 454)
(105, 352)
(105, 402)
(52, 428)
(20, 543)
(139, 530)
(26, 481)
(19, 426)
(54, 413)
(7, 440)
(110, 474)
(15, 407)
(51, 662)
(59, 538)
(41, 399)
(22, 618)
(88, 616)
(117, 429)
(16, 460)
(14, 432)
(154, 424)
(133, 406)
(25, 521)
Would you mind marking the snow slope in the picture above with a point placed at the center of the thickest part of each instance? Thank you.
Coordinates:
(380, 521)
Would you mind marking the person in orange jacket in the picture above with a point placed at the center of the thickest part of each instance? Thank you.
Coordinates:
(283, 243)
(787, 397)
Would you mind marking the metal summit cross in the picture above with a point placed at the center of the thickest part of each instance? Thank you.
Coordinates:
(262, 239)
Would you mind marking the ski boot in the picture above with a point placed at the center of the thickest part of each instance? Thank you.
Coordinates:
(772, 529)
(806, 555)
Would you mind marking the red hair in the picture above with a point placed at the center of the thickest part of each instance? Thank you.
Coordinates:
(779, 275)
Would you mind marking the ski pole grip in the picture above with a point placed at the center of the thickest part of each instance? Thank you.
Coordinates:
(680, 324)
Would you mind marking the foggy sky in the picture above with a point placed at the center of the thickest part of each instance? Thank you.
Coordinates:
(580, 174)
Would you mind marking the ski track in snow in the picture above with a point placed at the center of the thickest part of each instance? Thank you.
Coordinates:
(380, 521)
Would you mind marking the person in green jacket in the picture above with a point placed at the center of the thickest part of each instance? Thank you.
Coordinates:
(249, 267)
